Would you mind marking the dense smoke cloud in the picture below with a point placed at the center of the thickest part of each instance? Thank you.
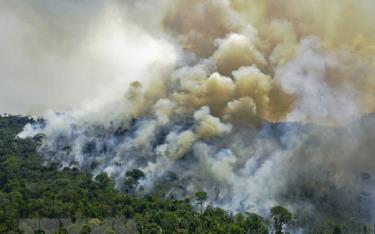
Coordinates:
(257, 102)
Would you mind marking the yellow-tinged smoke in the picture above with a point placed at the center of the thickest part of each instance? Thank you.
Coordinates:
(226, 65)
(263, 50)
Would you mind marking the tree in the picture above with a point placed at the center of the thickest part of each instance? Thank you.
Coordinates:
(135, 174)
(201, 196)
(104, 181)
(256, 224)
(132, 180)
(281, 217)
(86, 229)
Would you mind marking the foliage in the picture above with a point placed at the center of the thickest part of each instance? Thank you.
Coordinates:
(281, 217)
(28, 189)
(201, 197)
(85, 229)
(131, 181)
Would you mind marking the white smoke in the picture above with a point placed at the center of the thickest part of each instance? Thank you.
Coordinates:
(225, 96)
(318, 100)
(64, 54)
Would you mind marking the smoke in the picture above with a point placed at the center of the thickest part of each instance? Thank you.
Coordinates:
(63, 55)
(256, 102)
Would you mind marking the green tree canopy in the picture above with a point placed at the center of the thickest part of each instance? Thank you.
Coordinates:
(281, 217)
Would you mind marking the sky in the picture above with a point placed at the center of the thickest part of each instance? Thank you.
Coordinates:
(63, 54)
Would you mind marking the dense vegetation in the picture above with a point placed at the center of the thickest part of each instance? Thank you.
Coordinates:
(29, 189)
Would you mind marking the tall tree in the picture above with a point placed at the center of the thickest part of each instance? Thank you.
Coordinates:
(281, 217)
(201, 197)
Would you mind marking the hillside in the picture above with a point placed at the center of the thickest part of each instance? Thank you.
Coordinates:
(31, 192)
(72, 198)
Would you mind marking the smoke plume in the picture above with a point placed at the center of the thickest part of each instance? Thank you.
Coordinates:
(256, 102)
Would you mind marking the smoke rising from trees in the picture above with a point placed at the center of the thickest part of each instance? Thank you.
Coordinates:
(257, 102)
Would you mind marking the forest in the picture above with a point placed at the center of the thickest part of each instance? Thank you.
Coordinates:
(77, 203)
(188, 116)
